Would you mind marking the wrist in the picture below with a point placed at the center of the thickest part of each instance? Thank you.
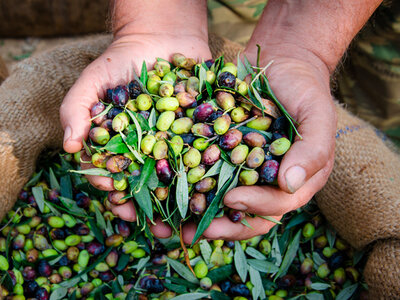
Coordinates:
(160, 17)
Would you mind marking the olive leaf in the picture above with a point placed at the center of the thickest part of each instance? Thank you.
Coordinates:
(143, 74)
(93, 171)
(182, 270)
(37, 192)
(225, 173)
(53, 180)
(182, 191)
(289, 255)
(240, 261)
(116, 145)
(241, 69)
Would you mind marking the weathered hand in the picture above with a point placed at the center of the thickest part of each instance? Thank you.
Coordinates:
(114, 67)
(304, 91)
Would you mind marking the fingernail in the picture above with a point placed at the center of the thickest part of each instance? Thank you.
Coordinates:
(67, 134)
(295, 178)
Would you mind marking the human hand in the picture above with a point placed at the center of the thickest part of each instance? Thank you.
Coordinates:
(303, 89)
(114, 67)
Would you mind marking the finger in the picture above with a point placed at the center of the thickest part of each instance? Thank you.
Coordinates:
(75, 110)
(99, 182)
(160, 230)
(225, 229)
(272, 201)
(310, 154)
(125, 211)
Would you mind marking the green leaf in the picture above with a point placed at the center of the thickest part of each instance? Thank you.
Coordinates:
(93, 171)
(152, 118)
(209, 89)
(210, 213)
(190, 296)
(248, 65)
(271, 219)
(331, 236)
(225, 173)
(318, 260)
(320, 286)
(179, 289)
(132, 138)
(182, 270)
(86, 147)
(143, 74)
(143, 199)
(217, 295)
(122, 262)
(298, 219)
(205, 250)
(314, 296)
(58, 293)
(255, 279)
(263, 266)
(142, 263)
(147, 170)
(53, 180)
(214, 170)
(153, 181)
(182, 191)
(132, 150)
(137, 126)
(72, 207)
(116, 145)
(202, 77)
(37, 192)
(289, 255)
(34, 179)
(96, 231)
(253, 252)
(240, 261)
(241, 69)
(66, 186)
(246, 223)
(276, 252)
(100, 219)
(347, 292)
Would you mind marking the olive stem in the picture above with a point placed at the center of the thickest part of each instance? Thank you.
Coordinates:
(9, 221)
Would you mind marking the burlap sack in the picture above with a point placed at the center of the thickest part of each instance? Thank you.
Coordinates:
(20, 18)
(3, 70)
(360, 199)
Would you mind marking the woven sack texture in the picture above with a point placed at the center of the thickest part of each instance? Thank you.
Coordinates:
(382, 271)
(360, 198)
(3, 70)
(20, 18)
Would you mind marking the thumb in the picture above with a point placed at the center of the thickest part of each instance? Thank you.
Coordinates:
(75, 110)
(314, 150)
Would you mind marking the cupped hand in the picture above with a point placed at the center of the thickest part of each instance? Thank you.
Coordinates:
(302, 86)
(114, 67)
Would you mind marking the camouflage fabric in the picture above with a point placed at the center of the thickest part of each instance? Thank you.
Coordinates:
(368, 82)
(234, 19)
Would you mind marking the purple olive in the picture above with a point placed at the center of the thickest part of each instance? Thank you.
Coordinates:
(227, 79)
(134, 89)
(211, 155)
(203, 112)
(230, 139)
(236, 215)
(198, 203)
(164, 172)
(120, 95)
(96, 110)
(269, 171)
